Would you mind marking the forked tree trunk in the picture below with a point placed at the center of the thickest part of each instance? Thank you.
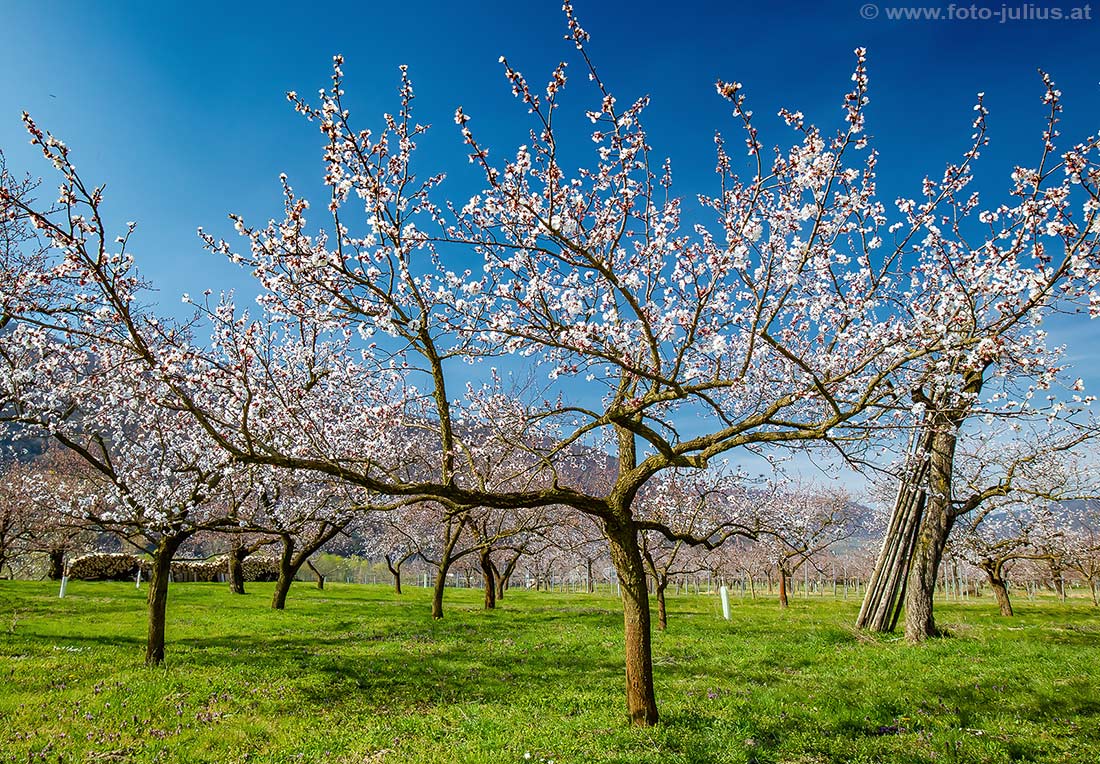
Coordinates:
(319, 575)
(488, 576)
(451, 534)
(920, 624)
(157, 598)
(1000, 590)
(395, 571)
(783, 603)
(290, 562)
(504, 577)
(501, 577)
(626, 556)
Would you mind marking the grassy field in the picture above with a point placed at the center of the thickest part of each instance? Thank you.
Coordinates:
(355, 674)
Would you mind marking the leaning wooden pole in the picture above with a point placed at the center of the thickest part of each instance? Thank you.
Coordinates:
(885, 593)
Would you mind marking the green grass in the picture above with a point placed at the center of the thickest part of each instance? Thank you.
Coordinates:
(355, 674)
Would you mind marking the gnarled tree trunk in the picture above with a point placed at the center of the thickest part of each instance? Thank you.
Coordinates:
(783, 577)
(993, 571)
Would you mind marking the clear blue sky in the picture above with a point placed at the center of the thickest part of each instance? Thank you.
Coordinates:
(179, 108)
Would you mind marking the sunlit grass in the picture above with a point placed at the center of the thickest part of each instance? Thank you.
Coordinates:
(357, 674)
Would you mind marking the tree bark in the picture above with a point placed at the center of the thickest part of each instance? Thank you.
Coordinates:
(662, 611)
(1000, 591)
(395, 570)
(935, 527)
(290, 563)
(287, 570)
(1059, 581)
(157, 598)
(641, 701)
(320, 576)
(503, 577)
(57, 564)
(488, 578)
(437, 590)
(500, 577)
(451, 535)
(236, 557)
(783, 603)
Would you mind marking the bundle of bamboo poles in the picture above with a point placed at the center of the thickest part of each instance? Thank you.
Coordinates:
(885, 594)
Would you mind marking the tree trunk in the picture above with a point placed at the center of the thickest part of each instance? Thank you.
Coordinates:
(488, 578)
(282, 589)
(783, 603)
(935, 527)
(662, 612)
(437, 591)
(57, 564)
(1059, 582)
(157, 599)
(395, 570)
(997, 584)
(236, 568)
(320, 576)
(626, 555)
(287, 569)
(501, 583)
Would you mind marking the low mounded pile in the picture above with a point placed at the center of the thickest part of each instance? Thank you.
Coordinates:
(101, 566)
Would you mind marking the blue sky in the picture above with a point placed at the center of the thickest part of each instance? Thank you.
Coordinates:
(179, 108)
